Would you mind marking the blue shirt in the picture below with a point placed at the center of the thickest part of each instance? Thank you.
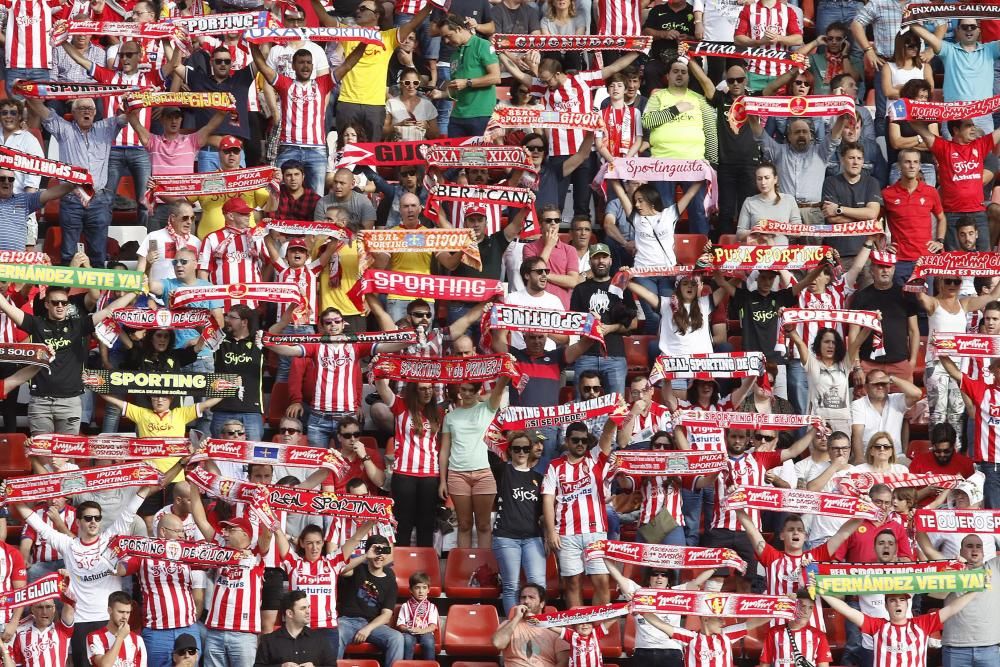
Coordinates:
(185, 336)
(968, 74)
(90, 150)
(14, 214)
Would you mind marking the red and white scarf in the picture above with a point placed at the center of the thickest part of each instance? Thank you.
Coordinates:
(303, 228)
(213, 182)
(936, 11)
(106, 447)
(514, 117)
(49, 587)
(215, 100)
(225, 23)
(665, 555)
(396, 153)
(671, 462)
(269, 453)
(707, 366)
(424, 286)
(961, 264)
(801, 501)
(39, 166)
(409, 336)
(199, 555)
(957, 521)
(577, 615)
(284, 35)
(32, 354)
(749, 420)
(940, 112)
(64, 484)
(808, 106)
(141, 318)
(978, 346)
(448, 370)
(746, 258)
(869, 319)
(860, 483)
(539, 320)
(701, 603)
(269, 292)
(518, 418)
(514, 43)
(64, 90)
(689, 49)
(482, 157)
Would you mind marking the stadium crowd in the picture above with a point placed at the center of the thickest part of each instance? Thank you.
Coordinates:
(341, 223)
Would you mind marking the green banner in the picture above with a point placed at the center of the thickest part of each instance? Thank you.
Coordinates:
(212, 385)
(950, 581)
(67, 276)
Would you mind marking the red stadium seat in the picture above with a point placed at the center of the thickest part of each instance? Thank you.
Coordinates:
(13, 460)
(629, 642)
(637, 353)
(416, 663)
(469, 630)
(567, 394)
(611, 644)
(277, 404)
(463, 663)
(357, 663)
(917, 447)
(836, 633)
(408, 560)
(368, 441)
(688, 247)
(459, 570)
(364, 648)
(753, 643)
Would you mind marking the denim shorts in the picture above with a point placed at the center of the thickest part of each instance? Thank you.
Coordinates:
(571, 560)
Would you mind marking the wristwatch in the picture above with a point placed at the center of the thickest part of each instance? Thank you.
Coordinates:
(840, 210)
(366, 459)
(468, 83)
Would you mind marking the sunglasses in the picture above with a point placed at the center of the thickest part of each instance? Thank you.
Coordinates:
(91, 517)
(659, 445)
(541, 272)
(765, 438)
(351, 436)
(554, 221)
(409, 83)
(951, 281)
(578, 440)
(6, 179)
(187, 651)
(180, 262)
(58, 302)
(222, 61)
(968, 27)
(520, 449)
(881, 445)
(234, 433)
(288, 430)
(422, 314)
(735, 79)
(591, 390)
(535, 148)
(10, 112)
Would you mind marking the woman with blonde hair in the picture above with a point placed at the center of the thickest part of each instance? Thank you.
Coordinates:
(880, 456)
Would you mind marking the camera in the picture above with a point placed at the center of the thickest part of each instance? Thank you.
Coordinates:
(382, 549)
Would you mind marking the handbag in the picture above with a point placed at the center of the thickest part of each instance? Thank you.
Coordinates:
(661, 525)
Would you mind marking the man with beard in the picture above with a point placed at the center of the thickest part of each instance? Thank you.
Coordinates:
(797, 637)
(523, 644)
(618, 317)
(344, 195)
(942, 459)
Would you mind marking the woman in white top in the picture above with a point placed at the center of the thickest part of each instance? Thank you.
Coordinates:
(828, 367)
(654, 225)
(563, 19)
(946, 312)
(880, 456)
(767, 204)
(905, 65)
(410, 116)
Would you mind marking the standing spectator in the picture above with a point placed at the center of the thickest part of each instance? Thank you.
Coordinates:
(573, 501)
(366, 600)
(781, 646)
(828, 363)
(535, 275)
(344, 195)
(241, 354)
(40, 556)
(881, 411)
(560, 257)
(908, 202)
(899, 315)
(562, 18)
(86, 143)
(180, 493)
(681, 126)
(902, 135)
(475, 73)
(524, 644)
(667, 24)
(906, 65)
(295, 200)
(772, 24)
(767, 204)
(18, 209)
(67, 70)
(213, 218)
(516, 17)
(296, 638)
(41, 639)
(158, 250)
(410, 116)
(14, 137)
(116, 645)
(232, 254)
(27, 41)
(832, 54)
(849, 196)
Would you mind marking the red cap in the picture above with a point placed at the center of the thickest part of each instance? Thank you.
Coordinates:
(297, 242)
(475, 209)
(229, 141)
(880, 258)
(240, 522)
(237, 205)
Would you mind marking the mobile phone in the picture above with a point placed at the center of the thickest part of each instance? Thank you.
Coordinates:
(153, 245)
(426, 89)
(79, 247)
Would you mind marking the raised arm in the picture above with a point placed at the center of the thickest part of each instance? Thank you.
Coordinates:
(845, 610)
(956, 605)
(385, 392)
(619, 65)
(757, 540)
(261, 62)
(931, 39)
(353, 59)
(198, 513)
(799, 446)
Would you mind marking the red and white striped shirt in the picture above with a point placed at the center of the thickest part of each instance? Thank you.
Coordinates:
(232, 256)
(166, 592)
(147, 79)
(619, 17)
(416, 453)
(303, 109)
(584, 651)
(41, 647)
(645, 425)
(701, 650)
(29, 23)
(756, 19)
(985, 398)
(575, 95)
(978, 370)
(658, 492)
(784, 576)
(810, 642)
(41, 550)
(902, 645)
(318, 580)
(748, 470)
(305, 278)
(11, 570)
(833, 298)
(131, 654)
(580, 493)
(236, 600)
(409, 6)
(191, 531)
(707, 438)
(338, 375)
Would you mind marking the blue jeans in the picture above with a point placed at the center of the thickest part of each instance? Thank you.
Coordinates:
(91, 222)
(970, 656)
(828, 11)
(695, 504)
(38, 570)
(160, 643)
(321, 427)
(798, 386)
(332, 636)
(991, 485)
(387, 639)
(253, 423)
(313, 157)
(611, 369)
(852, 633)
(514, 556)
(903, 272)
(426, 642)
(467, 127)
(284, 363)
(443, 105)
(26, 73)
(208, 159)
(134, 162)
(225, 648)
(982, 226)
(697, 218)
(662, 286)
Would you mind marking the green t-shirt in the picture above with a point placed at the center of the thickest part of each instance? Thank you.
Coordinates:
(470, 62)
(467, 427)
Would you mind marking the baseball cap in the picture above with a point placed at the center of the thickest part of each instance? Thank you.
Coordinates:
(237, 205)
(240, 522)
(229, 141)
(184, 641)
(298, 242)
(293, 12)
(475, 209)
(600, 249)
(171, 111)
(881, 258)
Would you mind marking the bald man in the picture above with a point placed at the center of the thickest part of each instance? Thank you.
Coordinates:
(342, 193)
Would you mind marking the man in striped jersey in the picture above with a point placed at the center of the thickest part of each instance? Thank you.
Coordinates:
(788, 643)
(41, 640)
(116, 645)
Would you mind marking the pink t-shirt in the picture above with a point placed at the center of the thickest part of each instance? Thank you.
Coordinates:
(562, 260)
(173, 157)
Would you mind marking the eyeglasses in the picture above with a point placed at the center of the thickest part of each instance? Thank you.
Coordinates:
(968, 27)
(840, 449)
(287, 430)
(535, 148)
(591, 390)
(760, 437)
(422, 314)
(233, 434)
(180, 262)
(333, 320)
(6, 179)
(182, 218)
(91, 518)
(58, 303)
(222, 61)
(881, 445)
(187, 651)
(553, 221)
(350, 436)
(541, 272)
(735, 79)
(10, 112)
(577, 440)
(90, 109)
(409, 83)
(519, 449)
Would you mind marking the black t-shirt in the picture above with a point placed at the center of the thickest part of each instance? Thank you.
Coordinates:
(662, 17)
(591, 296)
(239, 85)
(246, 359)
(363, 595)
(519, 504)
(71, 339)
(491, 251)
(759, 317)
(734, 149)
(896, 310)
(837, 190)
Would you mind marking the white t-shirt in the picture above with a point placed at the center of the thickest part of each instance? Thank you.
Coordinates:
(424, 111)
(698, 341)
(654, 238)
(543, 300)
(166, 247)
(646, 636)
(823, 527)
(890, 420)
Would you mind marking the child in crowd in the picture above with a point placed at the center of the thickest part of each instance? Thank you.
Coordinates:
(584, 641)
(418, 618)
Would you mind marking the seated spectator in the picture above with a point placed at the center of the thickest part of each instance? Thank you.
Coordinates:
(418, 619)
